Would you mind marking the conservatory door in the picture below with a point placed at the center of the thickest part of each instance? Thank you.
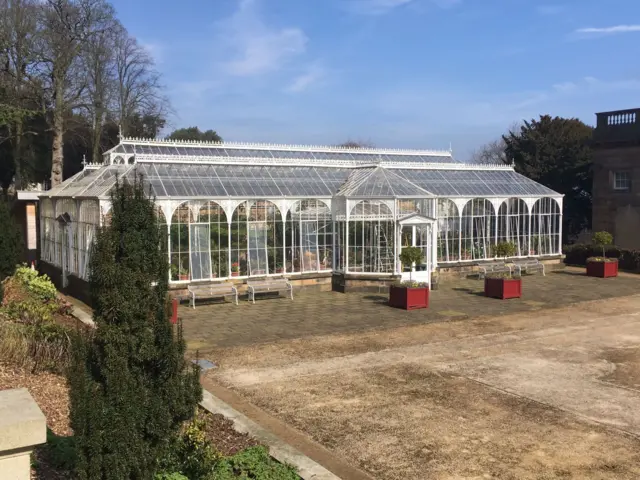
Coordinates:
(200, 251)
(418, 235)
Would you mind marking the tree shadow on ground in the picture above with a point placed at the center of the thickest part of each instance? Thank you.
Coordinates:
(470, 291)
(571, 273)
(380, 299)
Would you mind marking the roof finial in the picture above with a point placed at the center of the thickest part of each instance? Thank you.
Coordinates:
(120, 137)
(84, 161)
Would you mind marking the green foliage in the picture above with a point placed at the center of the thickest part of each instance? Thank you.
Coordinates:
(505, 275)
(602, 239)
(556, 152)
(130, 385)
(191, 453)
(411, 284)
(253, 463)
(504, 249)
(60, 451)
(579, 254)
(170, 476)
(40, 285)
(194, 134)
(10, 241)
(411, 255)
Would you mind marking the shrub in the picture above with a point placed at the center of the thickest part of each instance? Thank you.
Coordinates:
(602, 239)
(60, 451)
(504, 249)
(170, 476)
(411, 284)
(10, 241)
(40, 285)
(191, 453)
(578, 254)
(131, 387)
(254, 463)
(411, 255)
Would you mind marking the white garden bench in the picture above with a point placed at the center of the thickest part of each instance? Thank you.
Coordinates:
(529, 265)
(212, 291)
(263, 286)
(493, 267)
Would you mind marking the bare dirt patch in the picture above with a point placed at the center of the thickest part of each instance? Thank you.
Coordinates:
(626, 362)
(408, 422)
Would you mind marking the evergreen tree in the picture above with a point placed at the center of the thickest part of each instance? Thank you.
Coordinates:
(131, 387)
(10, 241)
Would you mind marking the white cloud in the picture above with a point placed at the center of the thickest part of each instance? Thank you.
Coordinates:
(380, 7)
(617, 29)
(313, 74)
(550, 9)
(258, 48)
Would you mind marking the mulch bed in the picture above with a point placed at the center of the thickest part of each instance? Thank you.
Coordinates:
(221, 434)
(52, 396)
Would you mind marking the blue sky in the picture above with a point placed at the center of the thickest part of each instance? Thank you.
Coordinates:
(398, 73)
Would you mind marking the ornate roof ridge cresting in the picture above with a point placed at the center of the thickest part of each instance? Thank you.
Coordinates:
(276, 146)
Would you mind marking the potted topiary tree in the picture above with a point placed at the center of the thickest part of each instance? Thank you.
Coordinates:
(410, 295)
(602, 267)
(503, 285)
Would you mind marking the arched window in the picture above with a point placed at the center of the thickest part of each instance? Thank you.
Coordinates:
(88, 222)
(66, 237)
(545, 227)
(513, 224)
(48, 232)
(212, 215)
(371, 238)
(448, 231)
(257, 235)
(308, 237)
(478, 229)
(179, 242)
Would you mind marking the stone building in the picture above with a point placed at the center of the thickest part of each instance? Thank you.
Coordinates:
(616, 176)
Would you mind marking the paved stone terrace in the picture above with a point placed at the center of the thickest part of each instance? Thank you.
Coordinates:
(321, 313)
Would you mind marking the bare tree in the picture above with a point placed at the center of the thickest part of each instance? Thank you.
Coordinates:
(494, 151)
(98, 59)
(138, 87)
(18, 31)
(66, 25)
(357, 144)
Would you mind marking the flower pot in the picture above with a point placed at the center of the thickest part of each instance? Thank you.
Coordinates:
(235, 274)
(603, 269)
(408, 298)
(279, 270)
(503, 288)
(183, 278)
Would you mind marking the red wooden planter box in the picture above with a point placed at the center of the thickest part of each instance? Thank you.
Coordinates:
(503, 288)
(409, 298)
(602, 269)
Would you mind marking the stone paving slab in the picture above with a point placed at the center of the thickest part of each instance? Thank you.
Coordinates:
(323, 313)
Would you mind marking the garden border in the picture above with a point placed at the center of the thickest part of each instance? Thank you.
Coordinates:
(281, 451)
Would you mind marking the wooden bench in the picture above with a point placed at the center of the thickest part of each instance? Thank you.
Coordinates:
(212, 291)
(529, 265)
(263, 286)
(493, 267)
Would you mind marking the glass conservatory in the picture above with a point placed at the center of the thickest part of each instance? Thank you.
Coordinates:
(245, 210)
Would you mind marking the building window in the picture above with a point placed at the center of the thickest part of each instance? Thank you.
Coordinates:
(621, 181)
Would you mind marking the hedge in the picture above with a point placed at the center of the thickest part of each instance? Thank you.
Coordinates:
(577, 255)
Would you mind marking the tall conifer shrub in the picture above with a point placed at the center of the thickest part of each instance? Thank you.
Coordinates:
(131, 387)
(10, 241)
